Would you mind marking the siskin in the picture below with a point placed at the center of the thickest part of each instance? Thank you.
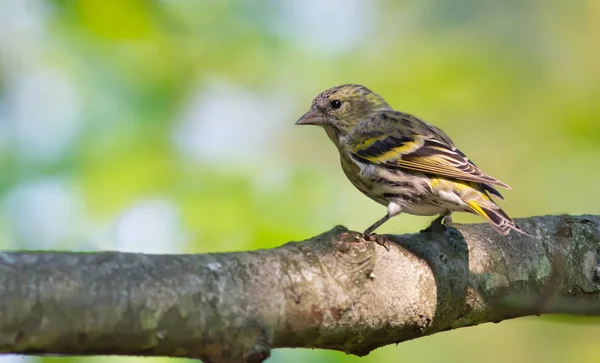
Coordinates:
(402, 162)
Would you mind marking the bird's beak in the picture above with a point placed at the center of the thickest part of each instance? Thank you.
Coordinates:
(311, 118)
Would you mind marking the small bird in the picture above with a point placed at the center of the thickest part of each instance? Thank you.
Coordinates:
(402, 162)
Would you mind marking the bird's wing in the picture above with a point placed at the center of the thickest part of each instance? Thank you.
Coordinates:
(419, 147)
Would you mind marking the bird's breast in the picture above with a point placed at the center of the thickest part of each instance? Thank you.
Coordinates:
(361, 180)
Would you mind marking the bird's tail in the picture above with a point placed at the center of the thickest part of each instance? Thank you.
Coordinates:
(499, 220)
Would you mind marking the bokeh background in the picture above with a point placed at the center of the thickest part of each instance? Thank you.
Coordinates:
(167, 126)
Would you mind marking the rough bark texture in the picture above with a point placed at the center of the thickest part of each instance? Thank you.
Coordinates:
(333, 291)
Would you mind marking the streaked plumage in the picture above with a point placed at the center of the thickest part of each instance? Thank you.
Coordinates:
(401, 161)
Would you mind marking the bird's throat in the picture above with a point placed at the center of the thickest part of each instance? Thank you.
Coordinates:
(333, 133)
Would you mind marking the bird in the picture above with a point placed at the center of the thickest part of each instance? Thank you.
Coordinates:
(403, 162)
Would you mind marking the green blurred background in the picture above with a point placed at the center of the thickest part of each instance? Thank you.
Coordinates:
(167, 126)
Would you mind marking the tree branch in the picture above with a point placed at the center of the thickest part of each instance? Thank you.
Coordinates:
(333, 291)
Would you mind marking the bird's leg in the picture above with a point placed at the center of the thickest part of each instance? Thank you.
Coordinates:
(393, 209)
(448, 219)
(379, 239)
(438, 225)
(377, 224)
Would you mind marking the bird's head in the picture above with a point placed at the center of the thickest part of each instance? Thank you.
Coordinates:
(340, 108)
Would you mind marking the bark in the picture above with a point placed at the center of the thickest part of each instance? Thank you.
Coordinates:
(333, 291)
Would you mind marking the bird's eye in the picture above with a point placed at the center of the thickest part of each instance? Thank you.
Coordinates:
(336, 104)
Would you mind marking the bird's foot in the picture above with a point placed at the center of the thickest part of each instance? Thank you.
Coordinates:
(380, 239)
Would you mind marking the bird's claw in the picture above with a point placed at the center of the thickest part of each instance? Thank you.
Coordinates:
(380, 239)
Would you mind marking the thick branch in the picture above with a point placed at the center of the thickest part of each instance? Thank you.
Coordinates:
(333, 291)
